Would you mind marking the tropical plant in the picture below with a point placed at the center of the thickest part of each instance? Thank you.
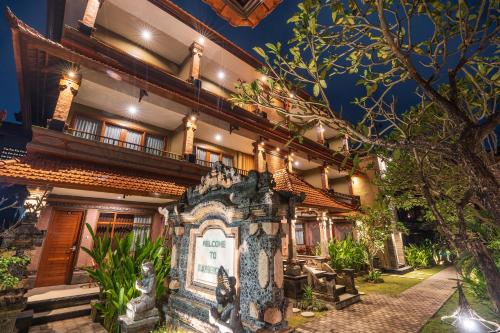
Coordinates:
(346, 253)
(117, 267)
(11, 267)
(374, 226)
(310, 302)
(374, 276)
(420, 256)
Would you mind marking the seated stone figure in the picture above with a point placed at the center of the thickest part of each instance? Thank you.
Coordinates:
(140, 307)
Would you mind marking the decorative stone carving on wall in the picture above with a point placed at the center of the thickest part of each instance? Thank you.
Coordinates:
(236, 217)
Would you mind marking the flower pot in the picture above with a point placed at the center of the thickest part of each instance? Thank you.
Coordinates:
(12, 302)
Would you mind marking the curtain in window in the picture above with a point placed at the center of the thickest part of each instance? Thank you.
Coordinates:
(154, 145)
(214, 157)
(201, 155)
(133, 140)
(227, 160)
(112, 135)
(86, 128)
(299, 234)
(142, 227)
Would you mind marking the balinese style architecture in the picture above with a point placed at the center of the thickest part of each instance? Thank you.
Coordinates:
(126, 105)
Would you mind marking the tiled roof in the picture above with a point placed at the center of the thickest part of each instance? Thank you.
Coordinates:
(53, 171)
(286, 181)
(243, 12)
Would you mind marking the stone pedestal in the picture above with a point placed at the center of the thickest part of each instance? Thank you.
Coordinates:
(294, 285)
(143, 323)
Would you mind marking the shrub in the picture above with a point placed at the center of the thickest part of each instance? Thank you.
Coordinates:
(309, 302)
(374, 277)
(117, 268)
(346, 253)
(419, 256)
(11, 269)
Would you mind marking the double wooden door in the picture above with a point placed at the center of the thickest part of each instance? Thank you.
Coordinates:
(60, 249)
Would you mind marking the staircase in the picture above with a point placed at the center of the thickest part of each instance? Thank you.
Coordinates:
(341, 299)
(50, 304)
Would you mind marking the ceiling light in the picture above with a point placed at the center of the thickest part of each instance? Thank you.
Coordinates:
(296, 163)
(218, 137)
(132, 109)
(71, 74)
(221, 75)
(277, 148)
(146, 34)
(291, 95)
(201, 40)
(263, 78)
(193, 118)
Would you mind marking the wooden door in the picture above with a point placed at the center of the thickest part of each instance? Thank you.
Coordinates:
(59, 250)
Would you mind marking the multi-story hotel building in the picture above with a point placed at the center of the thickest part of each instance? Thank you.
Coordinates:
(126, 104)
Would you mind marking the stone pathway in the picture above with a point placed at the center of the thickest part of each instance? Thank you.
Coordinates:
(377, 313)
(75, 325)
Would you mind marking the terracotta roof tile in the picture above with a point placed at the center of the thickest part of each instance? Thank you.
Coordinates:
(286, 181)
(54, 171)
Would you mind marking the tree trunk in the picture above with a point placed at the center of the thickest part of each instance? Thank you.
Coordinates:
(488, 268)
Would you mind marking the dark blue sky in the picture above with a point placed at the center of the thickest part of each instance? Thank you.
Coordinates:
(271, 29)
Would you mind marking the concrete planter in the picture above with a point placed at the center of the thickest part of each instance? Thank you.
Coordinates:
(12, 303)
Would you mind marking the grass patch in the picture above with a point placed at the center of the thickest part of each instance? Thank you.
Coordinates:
(296, 319)
(483, 308)
(395, 285)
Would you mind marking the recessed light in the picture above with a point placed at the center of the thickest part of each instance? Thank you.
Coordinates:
(296, 163)
(218, 137)
(132, 109)
(193, 118)
(146, 34)
(71, 74)
(221, 75)
(201, 40)
(277, 148)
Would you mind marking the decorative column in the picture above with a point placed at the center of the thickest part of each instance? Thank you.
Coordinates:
(323, 237)
(320, 131)
(87, 23)
(259, 157)
(196, 50)
(68, 88)
(189, 129)
(289, 162)
(325, 183)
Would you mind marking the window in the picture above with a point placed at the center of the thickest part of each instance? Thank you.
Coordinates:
(86, 128)
(207, 157)
(119, 224)
(154, 145)
(299, 234)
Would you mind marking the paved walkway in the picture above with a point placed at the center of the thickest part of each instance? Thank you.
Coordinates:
(75, 325)
(406, 313)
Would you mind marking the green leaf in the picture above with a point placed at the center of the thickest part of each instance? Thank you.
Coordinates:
(316, 89)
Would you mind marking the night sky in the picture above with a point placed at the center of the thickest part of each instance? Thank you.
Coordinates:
(273, 28)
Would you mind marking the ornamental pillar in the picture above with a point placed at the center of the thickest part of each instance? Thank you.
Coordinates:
(196, 50)
(87, 23)
(259, 157)
(189, 129)
(68, 88)
(325, 182)
(289, 162)
(323, 237)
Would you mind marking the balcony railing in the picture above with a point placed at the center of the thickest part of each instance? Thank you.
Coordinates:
(145, 149)
(124, 144)
(352, 200)
(210, 164)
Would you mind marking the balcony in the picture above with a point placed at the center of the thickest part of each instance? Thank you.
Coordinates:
(351, 200)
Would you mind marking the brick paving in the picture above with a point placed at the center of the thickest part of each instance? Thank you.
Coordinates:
(75, 325)
(406, 313)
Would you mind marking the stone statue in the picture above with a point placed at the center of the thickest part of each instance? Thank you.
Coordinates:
(142, 314)
(226, 316)
(137, 307)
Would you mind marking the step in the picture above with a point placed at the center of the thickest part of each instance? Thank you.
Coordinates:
(40, 318)
(43, 305)
(400, 270)
(339, 289)
(347, 299)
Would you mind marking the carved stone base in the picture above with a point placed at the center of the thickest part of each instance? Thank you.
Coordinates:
(145, 325)
(294, 286)
(143, 315)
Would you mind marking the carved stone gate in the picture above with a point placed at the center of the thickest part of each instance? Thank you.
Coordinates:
(231, 221)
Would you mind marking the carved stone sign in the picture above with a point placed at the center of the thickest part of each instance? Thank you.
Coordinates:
(212, 250)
